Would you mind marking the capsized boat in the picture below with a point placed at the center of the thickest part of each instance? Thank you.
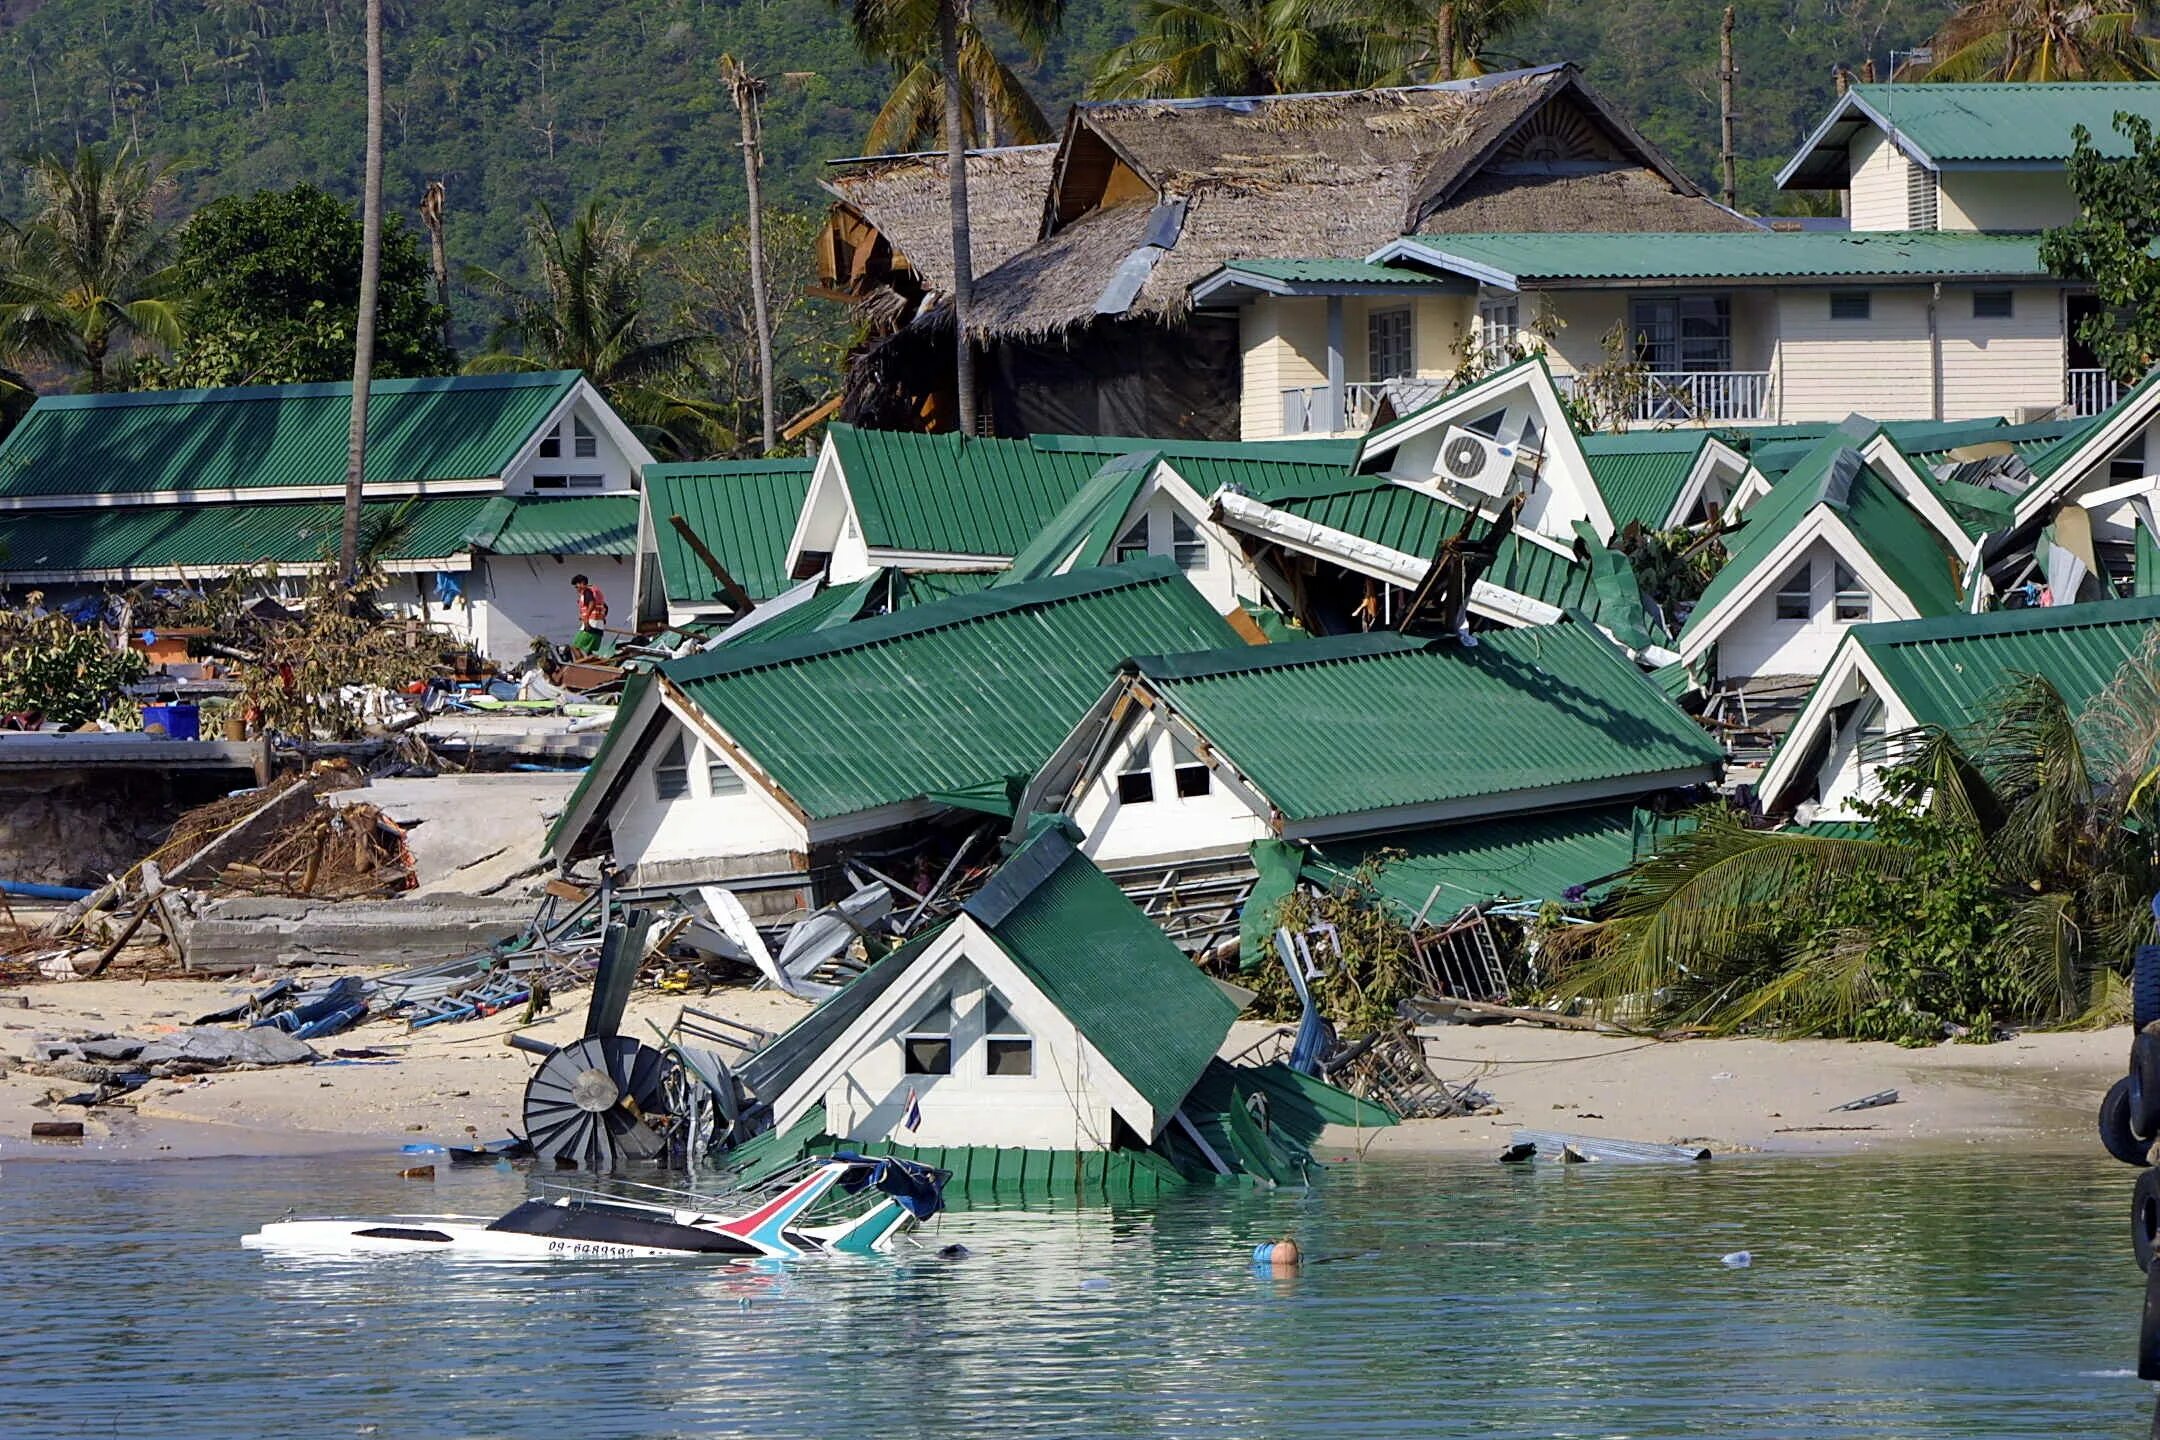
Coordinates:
(848, 1205)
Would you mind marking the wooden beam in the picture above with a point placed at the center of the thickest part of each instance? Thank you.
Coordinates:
(736, 595)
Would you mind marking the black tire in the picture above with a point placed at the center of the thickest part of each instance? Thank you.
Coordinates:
(2149, 1330)
(2145, 1085)
(2145, 986)
(2115, 1132)
(2145, 1218)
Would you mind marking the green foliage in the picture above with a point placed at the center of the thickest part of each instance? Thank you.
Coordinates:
(1242, 47)
(65, 672)
(2111, 244)
(1672, 566)
(1360, 989)
(2046, 40)
(273, 284)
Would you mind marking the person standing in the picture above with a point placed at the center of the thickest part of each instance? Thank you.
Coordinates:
(592, 617)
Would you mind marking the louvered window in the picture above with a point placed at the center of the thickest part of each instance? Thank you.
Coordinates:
(1920, 211)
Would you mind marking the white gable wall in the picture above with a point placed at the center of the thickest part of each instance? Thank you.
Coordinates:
(609, 469)
(1223, 821)
(1217, 569)
(698, 825)
(520, 597)
(1757, 642)
(2005, 199)
(1879, 198)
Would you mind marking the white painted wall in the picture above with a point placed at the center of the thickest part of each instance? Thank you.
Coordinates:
(519, 597)
(1058, 1107)
(1828, 368)
(615, 470)
(1879, 197)
(699, 825)
(1996, 366)
(2005, 199)
(1758, 643)
(1218, 823)
(1221, 574)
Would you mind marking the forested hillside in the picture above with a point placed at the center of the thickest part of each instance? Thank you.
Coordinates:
(519, 101)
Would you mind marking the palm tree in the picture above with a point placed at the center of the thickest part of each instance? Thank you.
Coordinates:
(364, 322)
(901, 31)
(2048, 40)
(997, 106)
(2026, 838)
(1451, 39)
(1188, 48)
(591, 315)
(92, 269)
(749, 93)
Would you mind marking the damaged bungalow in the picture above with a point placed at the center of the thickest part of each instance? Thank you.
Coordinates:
(487, 493)
(1187, 763)
(1885, 681)
(1047, 1041)
(712, 538)
(765, 767)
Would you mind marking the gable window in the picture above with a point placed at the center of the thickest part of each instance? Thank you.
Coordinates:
(926, 1048)
(1854, 604)
(583, 442)
(1993, 305)
(1007, 1047)
(1387, 344)
(551, 445)
(1190, 771)
(569, 482)
(671, 772)
(1136, 786)
(1186, 546)
(1684, 333)
(1796, 597)
(2128, 463)
(1132, 545)
(1920, 197)
(721, 778)
(1849, 304)
(1497, 322)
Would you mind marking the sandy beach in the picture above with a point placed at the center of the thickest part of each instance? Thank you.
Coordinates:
(453, 1082)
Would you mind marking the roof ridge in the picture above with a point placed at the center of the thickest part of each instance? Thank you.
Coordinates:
(2081, 615)
(314, 389)
(1280, 655)
(1469, 86)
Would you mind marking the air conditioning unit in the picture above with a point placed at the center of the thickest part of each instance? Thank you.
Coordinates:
(1476, 462)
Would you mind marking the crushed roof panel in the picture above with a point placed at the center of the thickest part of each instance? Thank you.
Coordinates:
(744, 512)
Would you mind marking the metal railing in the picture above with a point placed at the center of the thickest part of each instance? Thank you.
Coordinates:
(1306, 411)
(1700, 395)
(2091, 391)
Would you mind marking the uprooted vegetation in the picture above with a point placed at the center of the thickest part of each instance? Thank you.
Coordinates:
(55, 671)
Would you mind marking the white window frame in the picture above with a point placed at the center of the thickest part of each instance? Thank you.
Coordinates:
(1849, 593)
(1133, 544)
(1188, 547)
(916, 1032)
(1016, 1034)
(1800, 583)
(1499, 321)
(671, 772)
(721, 778)
(1183, 764)
(584, 444)
(2009, 304)
(1390, 344)
(1867, 306)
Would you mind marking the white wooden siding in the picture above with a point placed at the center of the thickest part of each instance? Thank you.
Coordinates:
(1879, 366)
(1438, 323)
(1879, 196)
(2006, 200)
(1285, 345)
(1995, 367)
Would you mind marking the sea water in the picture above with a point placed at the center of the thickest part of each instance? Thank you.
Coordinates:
(1918, 1296)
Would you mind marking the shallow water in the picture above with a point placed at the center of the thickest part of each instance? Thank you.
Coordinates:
(1912, 1297)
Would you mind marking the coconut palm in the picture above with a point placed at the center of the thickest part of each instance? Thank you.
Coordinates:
(1450, 39)
(995, 106)
(2048, 40)
(590, 314)
(91, 273)
(364, 320)
(1188, 48)
(902, 32)
(2028, 834)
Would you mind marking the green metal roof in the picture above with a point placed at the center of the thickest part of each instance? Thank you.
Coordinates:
(125, 542)
(580, 525)
(1140, 1002)
(1517, 259)
(1083, 532)
(1835, 475)
(946, 696)
(467, 427)
(1981, 124)
(1338, 452)
(1944, 670)
(1374, 722)
(1315, 276)
(1641, 478)
(953, 494)
(1437, 873)
(744, 511)
(882, 591)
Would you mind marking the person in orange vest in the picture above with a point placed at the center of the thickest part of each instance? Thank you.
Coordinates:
(591, 614)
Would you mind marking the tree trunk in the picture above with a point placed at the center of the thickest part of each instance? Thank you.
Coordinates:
(1727, 155)
(364, 323)
(434, 211)
(963, 274)
(1445, 39)
(748, 90)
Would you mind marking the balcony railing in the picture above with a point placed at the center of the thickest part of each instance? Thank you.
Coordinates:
(2091, 391)
(1305, 412)
(1682, 396)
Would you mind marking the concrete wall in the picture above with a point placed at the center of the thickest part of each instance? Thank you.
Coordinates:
(1217, 823)
(1058, 1107)
(646, 828)
(524, 596)
(2005, 199)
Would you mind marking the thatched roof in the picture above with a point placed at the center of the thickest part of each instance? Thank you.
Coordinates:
(907, 197)
(1290, 176)
(1602, 201)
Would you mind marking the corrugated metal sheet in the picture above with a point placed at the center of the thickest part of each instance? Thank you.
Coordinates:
(1374, 722)
(955, 495)
(963, 692)
(148, 541)
(2009, 122)
(1439, 872)
(1331, 272)
(581, 525)
(1945, 670)
(459, 428)
(1150, 1011)
(1641, 486)
(744, 512)
(1764, 255)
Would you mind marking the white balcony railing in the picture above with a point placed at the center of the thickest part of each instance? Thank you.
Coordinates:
(2091, 391)
(1681, 396)
(1305, 412)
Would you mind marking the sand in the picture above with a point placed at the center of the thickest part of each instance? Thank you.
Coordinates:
(456, 1082)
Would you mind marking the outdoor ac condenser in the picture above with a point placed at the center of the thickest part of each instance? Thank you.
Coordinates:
(1476, 462)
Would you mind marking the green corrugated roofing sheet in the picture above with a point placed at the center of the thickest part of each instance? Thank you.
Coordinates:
(467, 427)
(1642, 481)
(1994, 122)
(143, 541)
(1083, 532)
(1329, 272)
(744, 511)
(1374, 722)
(1108, 967)
(580, 525)
(952, 494)
(1764, 255)
(1945, 670)
(945, 696)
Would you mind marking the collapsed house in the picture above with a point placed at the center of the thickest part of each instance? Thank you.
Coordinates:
(1190, 768)
(1886, 681)
(1048, 1041)
(765, 767)
(483, 495)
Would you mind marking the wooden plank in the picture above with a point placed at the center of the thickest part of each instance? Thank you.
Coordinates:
(1448, 1005)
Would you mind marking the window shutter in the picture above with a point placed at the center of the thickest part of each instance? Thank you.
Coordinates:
(1920, 197)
